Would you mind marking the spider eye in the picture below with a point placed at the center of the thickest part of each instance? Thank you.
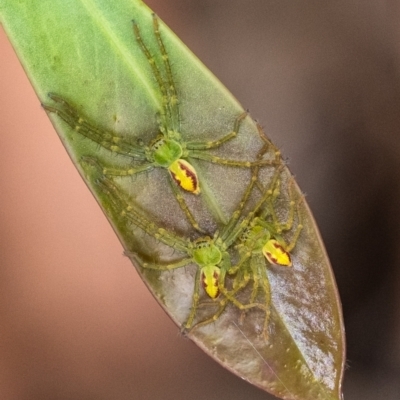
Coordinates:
(157, 143)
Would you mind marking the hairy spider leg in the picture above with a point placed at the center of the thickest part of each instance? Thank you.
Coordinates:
(107, 139)
(195, 148)
(184, 207)
(260, 278)
(257, 273)
(254, 179)
(202, 155)
(121, 208)
(110, 171)
(233, 230)
(173, 96)
(216, 143)
(276, 228)
(170, 113)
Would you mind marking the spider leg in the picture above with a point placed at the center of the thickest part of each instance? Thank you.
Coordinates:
(240, 283)
(259, 272)
(222, 306)
(267, 142)
(166, 113)
(267, 145)
(235, 230)
(243, 259)
(236, 214)
(278, 227)
(219, 142)
(121, 206)
(166, 267)
(172, 98)
(226, 267)
(202, 155)
(181, 201)
(107, 139)
(260, 280)
(270, 209)
(229, 233)
(156, 72)
(196, 290)
(290, 246)
(128, 171)
(195, 303)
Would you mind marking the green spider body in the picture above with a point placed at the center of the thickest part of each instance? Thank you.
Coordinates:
(168, 150)
(262, 244)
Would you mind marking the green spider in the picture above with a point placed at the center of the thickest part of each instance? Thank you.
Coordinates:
(262, 240)
(210, 254)
(168, 149)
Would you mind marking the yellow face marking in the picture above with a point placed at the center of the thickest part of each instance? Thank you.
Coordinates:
(276, 254)
(185, 176)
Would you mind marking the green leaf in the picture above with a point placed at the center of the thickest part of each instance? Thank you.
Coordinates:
(86, 51)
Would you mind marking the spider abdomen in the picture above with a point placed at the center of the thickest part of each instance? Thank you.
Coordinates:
(185, 176)
(210, 279)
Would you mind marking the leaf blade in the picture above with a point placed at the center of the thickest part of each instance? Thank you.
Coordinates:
(97, 67)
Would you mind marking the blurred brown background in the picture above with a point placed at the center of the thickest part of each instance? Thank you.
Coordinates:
(324, 79)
